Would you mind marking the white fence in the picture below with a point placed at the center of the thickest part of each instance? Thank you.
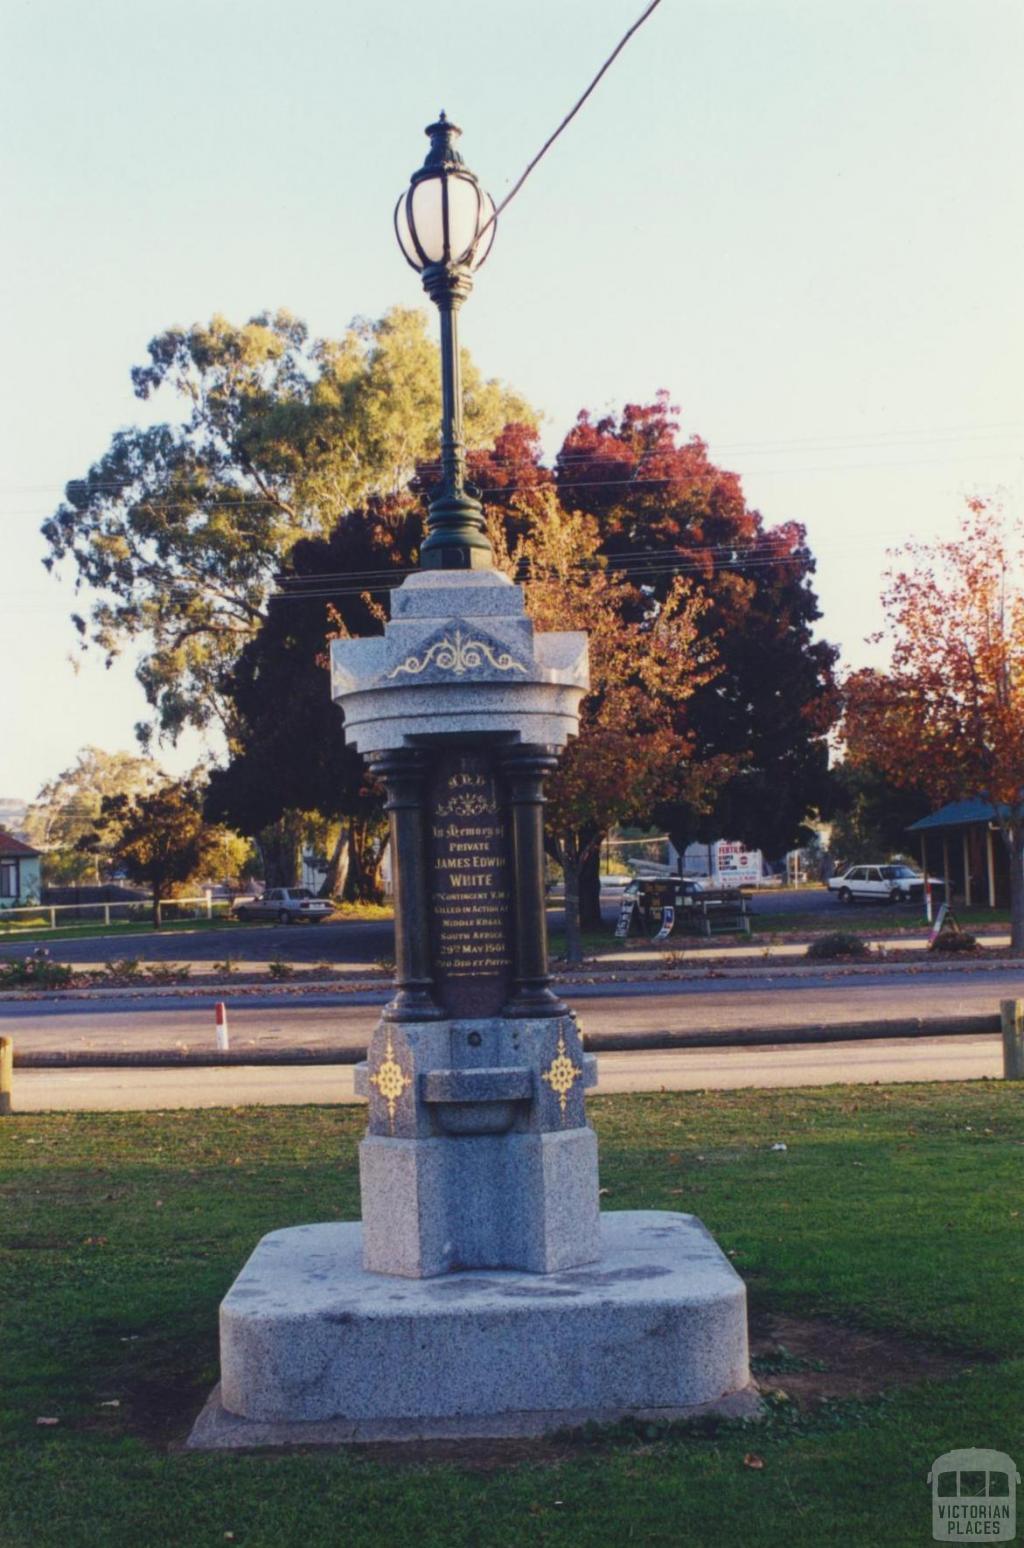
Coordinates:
(34, 915)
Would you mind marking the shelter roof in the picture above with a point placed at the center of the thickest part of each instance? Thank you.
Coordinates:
(958, 814)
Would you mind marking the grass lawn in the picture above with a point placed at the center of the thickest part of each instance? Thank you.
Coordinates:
(117, 927)
(863, 918)
(344, 913)
(895, 1209)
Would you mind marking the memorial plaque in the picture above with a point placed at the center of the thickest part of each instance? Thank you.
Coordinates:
(470, 887)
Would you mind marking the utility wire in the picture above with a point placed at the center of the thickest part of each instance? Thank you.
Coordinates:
(568, 117)
(896, 439)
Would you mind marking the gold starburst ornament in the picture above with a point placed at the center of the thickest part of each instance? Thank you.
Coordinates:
(390, 1080)
(561, 1074)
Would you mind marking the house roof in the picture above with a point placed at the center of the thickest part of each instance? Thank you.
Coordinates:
(958, 814)
(9, 845)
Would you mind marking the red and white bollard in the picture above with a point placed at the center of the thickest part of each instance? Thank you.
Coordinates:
(221, 1022)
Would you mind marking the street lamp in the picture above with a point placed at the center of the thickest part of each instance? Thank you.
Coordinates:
(445, 225)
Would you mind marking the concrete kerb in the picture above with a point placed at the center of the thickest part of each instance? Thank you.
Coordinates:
(595, 1043)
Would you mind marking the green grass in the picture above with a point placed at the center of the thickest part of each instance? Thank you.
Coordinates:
(125, 927)
(856, 920)
(895, 1209)
(595, 943)
(862, 918)
(344, 913)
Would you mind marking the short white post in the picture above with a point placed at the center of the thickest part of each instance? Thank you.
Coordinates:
(209, 904)
(106, 913)
(221, 1023)
(1011, 1014)
(53, 918)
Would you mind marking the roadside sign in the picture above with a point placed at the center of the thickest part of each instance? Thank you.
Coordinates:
(627, 908)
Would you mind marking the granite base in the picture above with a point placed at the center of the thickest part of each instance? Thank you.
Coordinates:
(515, 1201)
(310, 1340)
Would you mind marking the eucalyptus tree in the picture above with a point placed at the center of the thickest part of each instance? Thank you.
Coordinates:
(176, 532)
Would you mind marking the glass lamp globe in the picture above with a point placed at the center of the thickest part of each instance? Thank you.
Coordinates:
(445, 217)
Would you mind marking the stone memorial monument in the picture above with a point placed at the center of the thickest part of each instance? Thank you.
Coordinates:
(483, 1293)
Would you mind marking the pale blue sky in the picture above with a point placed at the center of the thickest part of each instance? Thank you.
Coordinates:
(804, 219)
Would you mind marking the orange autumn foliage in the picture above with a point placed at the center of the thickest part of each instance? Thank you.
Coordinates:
(948, 715)
(631, 753)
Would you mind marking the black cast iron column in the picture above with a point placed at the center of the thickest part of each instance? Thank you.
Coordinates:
(404, 774)
(524, 770)
(456, 536)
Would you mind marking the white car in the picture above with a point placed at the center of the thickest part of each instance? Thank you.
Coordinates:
(881, 884)
(288, 905)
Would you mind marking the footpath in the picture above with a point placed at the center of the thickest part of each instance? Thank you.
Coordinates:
(894, 955)
(693, 1005)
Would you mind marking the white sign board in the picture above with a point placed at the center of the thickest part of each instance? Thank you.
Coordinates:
(735, 865)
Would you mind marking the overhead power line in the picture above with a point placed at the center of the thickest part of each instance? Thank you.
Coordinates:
(895, 439)
(567, 120)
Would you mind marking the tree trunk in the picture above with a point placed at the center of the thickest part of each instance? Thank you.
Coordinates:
(573, 934)
(157, 905)
(363, 882)
(1015, 845)
(337, 867)
(278, 845)
(590, 885)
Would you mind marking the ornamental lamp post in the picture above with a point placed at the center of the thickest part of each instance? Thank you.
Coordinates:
(445, 225)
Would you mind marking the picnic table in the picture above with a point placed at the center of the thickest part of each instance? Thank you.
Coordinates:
(664, 906)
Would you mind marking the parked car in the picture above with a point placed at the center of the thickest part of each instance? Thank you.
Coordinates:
(288, 905)
(882, 884)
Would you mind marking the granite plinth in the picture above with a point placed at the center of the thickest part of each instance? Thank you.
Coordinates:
(217, 1430)
(510, 1201)
(459, 661)
(309, 1338)
(478, 1152)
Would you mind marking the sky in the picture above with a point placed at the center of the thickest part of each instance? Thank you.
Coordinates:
(803, 218)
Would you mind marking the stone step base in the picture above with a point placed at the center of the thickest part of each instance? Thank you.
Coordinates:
(316, 1350)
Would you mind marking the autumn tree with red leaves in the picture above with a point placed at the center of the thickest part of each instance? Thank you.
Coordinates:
(663, 509)
(646, 661)
(948, 715)
(621, 534)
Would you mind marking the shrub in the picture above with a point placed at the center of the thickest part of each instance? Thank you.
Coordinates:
(167, 972)
(839, 946)
(955, 940)
(35, 971)
(279, 969)
(128, 971)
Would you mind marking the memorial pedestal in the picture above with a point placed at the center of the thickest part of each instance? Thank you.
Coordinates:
(483, 1294)
(314, 1350)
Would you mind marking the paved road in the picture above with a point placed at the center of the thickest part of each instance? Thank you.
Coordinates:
(969, 1058)
(350, 943)
(344, 1020)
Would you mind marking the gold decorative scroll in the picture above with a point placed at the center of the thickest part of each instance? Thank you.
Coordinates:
(458, 655)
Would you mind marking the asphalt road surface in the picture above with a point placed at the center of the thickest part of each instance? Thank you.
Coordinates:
(927, 1059)
(349, 942)
(318, 1020)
